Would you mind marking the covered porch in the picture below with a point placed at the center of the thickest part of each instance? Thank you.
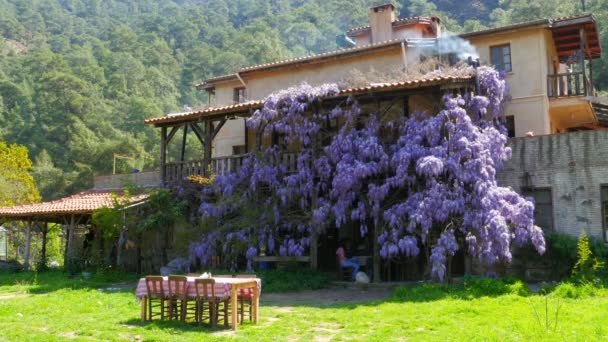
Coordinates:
(403, 98)
(73, 213)
(570, 82)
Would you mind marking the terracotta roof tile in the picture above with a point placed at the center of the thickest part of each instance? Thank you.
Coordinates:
(289, 61)
(423, 82)
(186, 116)
(82, 203)
(397, 22)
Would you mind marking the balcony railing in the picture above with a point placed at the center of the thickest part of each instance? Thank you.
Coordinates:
(567, 85)
(177, 171)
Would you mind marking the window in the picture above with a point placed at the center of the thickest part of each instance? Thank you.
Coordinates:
(543, 207)
(240, 95)
(605, 211)
(510, 125)
(239, 149)
(501, 57)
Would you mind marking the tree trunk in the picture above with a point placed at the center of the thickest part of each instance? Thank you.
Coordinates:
(376, 256)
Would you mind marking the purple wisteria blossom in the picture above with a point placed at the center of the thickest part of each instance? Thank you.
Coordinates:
(431, 187)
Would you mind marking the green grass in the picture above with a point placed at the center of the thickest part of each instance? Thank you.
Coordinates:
(52, 307)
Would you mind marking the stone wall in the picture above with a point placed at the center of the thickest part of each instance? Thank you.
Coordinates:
(574, 166)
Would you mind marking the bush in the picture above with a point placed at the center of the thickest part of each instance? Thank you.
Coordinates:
(292, 280)
(587, 266)
(10, 266)
(472, 287)
(495, 287)
(570, 290)
(562, 251)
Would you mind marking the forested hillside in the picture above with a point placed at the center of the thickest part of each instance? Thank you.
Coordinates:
(78, 77)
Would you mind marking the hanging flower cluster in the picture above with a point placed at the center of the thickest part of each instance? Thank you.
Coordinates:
(433, 185)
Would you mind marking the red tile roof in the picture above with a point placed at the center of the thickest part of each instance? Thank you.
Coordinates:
(253, 105)
(82, 203)
(188, 116)
(398, 22)
(310, 58)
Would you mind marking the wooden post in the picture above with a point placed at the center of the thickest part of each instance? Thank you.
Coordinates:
(208, 137)
(163, 154)
(582, 58)
(184, 143)
(45, 231)
(28, 241)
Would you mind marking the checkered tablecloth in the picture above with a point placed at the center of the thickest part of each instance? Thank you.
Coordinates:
(222, 288)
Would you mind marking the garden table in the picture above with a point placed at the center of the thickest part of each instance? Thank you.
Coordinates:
(224, 287)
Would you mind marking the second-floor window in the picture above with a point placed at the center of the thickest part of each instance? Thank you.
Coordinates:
(501, 57)
(240, 95)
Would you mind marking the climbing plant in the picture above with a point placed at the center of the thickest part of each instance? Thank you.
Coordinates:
(435, 181)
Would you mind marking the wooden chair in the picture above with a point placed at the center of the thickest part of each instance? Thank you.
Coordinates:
(245, 298)
(208, 303)
(223, 276)
(195, 275)
(156, 297)
(178, 296)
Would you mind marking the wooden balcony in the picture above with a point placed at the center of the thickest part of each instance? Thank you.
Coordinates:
(569, 105)
(178, 171)
(567, 85)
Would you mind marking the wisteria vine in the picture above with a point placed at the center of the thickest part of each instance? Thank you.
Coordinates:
(431, 186)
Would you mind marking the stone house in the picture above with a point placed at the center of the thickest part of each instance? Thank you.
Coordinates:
(555, 120)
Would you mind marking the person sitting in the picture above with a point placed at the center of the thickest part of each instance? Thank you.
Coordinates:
(346, 260)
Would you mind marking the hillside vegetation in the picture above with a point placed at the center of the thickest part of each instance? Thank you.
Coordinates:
(78, 77)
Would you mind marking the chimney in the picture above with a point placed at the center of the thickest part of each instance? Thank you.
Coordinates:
(436, 26)
(381, 20)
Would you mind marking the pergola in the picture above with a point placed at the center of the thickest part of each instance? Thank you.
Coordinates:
(207, 123)
(70, 212)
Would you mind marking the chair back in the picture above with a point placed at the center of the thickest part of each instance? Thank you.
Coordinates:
(246, 276)
(178, 286)
(205, 288)
(154, 285)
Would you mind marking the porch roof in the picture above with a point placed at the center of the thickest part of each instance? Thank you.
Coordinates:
(564, 30)
(83, 203)
(247, 108)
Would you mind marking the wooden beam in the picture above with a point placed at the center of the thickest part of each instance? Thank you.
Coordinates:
(216, 129)
(199, 133)
(573, 35)
(28, 245)
(45, 231)
(183, 154)
(573, 43)
(172, 134)
(208, 138)
(163, 154)
(582, 60)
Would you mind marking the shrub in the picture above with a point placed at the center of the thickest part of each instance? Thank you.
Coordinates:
(421, 293)
(562, 251)
(587, 265)
(292, 280)
(472, 287)
(571, 290)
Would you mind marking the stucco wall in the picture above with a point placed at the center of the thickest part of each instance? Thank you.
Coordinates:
(527, 81)
(574, 165)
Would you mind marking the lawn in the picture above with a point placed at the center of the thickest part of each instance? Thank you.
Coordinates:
(51, 306)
